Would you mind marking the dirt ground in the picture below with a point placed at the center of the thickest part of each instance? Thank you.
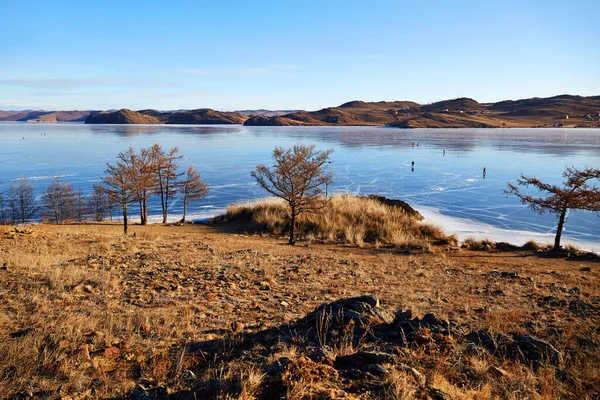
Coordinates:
(88, 313)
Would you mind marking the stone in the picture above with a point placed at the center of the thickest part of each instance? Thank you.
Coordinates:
(111, 351)
(531, 349)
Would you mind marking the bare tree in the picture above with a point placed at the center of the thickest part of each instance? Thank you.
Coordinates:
(119, 182)
(22, 201)
(578, 192)
(79, 206)
(58, 201)
(98, 203)
(143, 179)
(296, 177)
(192, 188)
(165, 170)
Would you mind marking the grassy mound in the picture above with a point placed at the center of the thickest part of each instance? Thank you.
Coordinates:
(346, 219)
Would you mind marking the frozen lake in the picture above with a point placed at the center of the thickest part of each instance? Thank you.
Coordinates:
(448, 188)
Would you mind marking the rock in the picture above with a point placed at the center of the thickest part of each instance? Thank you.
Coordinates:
(375, 369)
(527, 349)
(361, 359)
(432, 319)
(437, 394)
(278, 366)
(574, 290)
(398, 204)
(531, 349)
(111, 351)
(401, 316)
(509, 275)
(357, 309)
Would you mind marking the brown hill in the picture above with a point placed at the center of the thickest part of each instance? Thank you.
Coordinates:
(44, 116)
(265, 113)
(258, 120)
(456, 113)
(123, 116)
(204, 116)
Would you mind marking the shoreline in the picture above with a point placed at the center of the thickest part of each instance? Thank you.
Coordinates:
(468, 228)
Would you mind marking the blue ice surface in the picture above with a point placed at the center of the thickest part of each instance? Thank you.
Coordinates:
(366, 160)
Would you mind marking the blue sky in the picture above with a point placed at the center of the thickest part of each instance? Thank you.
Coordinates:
(291, 54)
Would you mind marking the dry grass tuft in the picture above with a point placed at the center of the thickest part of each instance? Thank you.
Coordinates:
(347, 219)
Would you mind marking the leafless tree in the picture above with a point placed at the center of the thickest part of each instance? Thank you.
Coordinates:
(98, 203)
(58, 202)
(144, 181)
(79, 206)
(22, 201)
(297, 177)
(119, 182)
(579, 191)
(192, 188)
(165, 169)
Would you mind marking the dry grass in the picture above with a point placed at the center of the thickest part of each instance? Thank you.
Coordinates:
(85, 312)
(346, 219)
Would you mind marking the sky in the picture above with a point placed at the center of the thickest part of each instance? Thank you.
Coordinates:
(231, 55)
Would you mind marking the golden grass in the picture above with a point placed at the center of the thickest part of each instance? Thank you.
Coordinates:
(346, 219)
(87, 313)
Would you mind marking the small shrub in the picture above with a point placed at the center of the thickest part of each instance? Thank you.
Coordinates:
(478, 245)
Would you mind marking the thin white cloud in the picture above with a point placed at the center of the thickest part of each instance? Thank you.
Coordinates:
(78, 83)
(247, 71)
(197, 72)
(240, 71)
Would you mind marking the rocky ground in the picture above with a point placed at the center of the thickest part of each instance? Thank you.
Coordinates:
(193, 312)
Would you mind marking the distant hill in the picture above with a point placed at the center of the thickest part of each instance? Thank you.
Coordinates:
(204, 116)
(44, 116)
(192, 117)
(266, 113)
(123, 116)
(565, 110)
(258, 120)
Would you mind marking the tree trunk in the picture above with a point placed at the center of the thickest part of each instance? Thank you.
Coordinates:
(145, 204)
(184, 208)
(164, 198)
(559, 228)
(141, 211)
(125, 219)
(292, 239)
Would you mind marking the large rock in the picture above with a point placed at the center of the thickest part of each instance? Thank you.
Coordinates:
(404, 206)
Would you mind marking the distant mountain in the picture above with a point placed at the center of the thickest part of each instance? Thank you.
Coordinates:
(44, 116)
(204, 116)
(564, 110)
(259, 120)
(123, 116)
(266, 113)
